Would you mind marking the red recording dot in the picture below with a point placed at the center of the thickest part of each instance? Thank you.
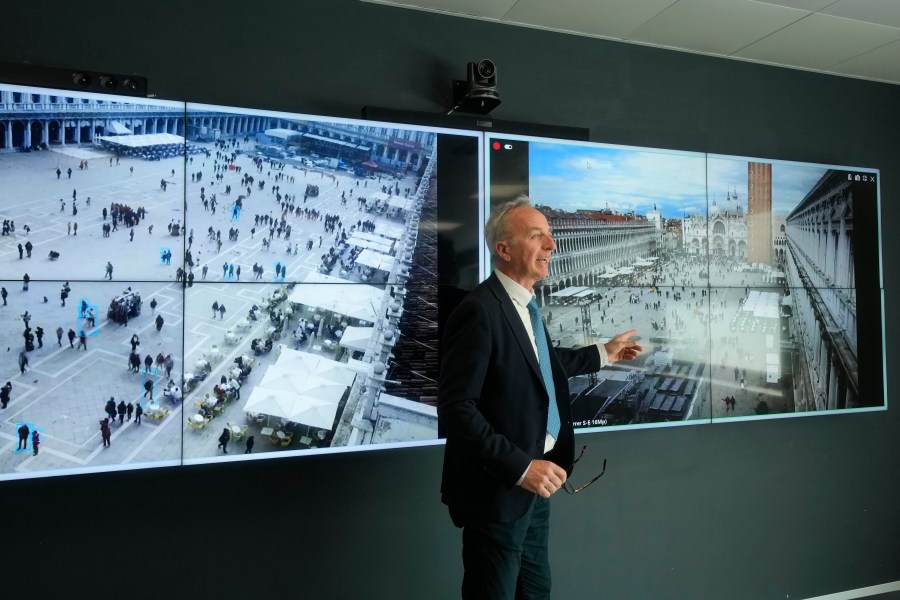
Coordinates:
(495, 145)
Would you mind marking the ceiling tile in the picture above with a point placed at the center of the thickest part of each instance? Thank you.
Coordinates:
(608, 18)
(811, 5)
(820, 41)
(490, 9)
(714, 26)
(883, 12)
(882, 64)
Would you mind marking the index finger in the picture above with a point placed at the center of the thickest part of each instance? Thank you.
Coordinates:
(625, 335)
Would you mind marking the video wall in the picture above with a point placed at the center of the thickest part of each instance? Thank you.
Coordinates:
(187, 283)
(754, 285)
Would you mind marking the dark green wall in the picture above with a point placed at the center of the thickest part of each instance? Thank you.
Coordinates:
(780, 509)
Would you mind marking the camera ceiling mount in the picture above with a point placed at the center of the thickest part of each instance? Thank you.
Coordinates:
(478, 94)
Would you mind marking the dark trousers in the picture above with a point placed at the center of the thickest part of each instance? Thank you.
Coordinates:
(503, 561)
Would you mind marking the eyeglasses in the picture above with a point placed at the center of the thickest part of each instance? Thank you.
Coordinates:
(568, 486)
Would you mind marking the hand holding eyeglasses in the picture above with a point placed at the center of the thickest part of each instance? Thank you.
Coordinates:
(543, 478)
(568, 486)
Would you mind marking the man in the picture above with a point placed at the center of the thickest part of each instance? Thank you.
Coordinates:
(507, 452)
(23, 436)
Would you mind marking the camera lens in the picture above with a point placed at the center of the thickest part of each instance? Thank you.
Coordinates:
(486, 69)
(108, 82)
(81, 79)
(130, 84)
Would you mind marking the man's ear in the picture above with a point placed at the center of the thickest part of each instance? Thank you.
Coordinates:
(502, 250)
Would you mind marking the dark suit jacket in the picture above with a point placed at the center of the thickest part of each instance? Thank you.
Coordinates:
(492, 405)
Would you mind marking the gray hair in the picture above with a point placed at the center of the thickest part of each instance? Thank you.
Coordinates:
(497, 227)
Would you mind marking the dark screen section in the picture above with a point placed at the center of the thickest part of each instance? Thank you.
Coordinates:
(870, 347)
(867, 239)
(458, 227)
(457, 212)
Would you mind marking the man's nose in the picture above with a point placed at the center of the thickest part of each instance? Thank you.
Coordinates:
(552, 244)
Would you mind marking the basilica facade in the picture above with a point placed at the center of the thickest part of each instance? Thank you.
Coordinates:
(722, 234)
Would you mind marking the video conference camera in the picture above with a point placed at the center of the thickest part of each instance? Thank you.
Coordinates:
(478, 94)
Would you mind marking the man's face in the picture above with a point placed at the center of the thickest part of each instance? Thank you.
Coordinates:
(525, 257)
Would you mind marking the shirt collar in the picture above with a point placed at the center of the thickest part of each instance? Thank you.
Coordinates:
(518, 293)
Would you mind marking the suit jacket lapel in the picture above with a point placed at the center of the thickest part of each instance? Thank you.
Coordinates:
(515, 323)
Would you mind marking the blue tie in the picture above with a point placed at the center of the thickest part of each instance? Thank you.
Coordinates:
(540, 338)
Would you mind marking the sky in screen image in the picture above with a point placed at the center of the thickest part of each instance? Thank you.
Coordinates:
(790, 182)
(574, 177)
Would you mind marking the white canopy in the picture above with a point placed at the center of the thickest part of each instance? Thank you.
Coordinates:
(313, 366)
(356, 338)
(764, 305)
(142, 141)
(382, 245)
(282, 134)
(373, 259)
(293, 407)
(569, 291)
(389, 229)
(302, 387)
(116, 128)
(354, 300)
(401, 203)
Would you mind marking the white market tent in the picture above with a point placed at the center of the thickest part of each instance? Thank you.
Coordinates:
(354, 300)
(372, 237)
(764, 305)
(314, 366)
(356, 338)
(271, 402)
(293, 407)
(406, 204)
(142, 141)
(383, 246)
(373, 259)
(389, 230)
(116, 128)
(569, 291)
(350, 145)
(302, 387)
(282, 134)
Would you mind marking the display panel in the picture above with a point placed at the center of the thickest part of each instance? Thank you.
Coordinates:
(70, 368)
(314, 365)
(345, 320)
(750, 281)
(92, 186)
(339, 351)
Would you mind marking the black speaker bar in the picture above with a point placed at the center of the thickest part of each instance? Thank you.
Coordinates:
(474, 122)
(74, 79)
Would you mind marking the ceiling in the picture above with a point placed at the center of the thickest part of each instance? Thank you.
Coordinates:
(852, 38)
